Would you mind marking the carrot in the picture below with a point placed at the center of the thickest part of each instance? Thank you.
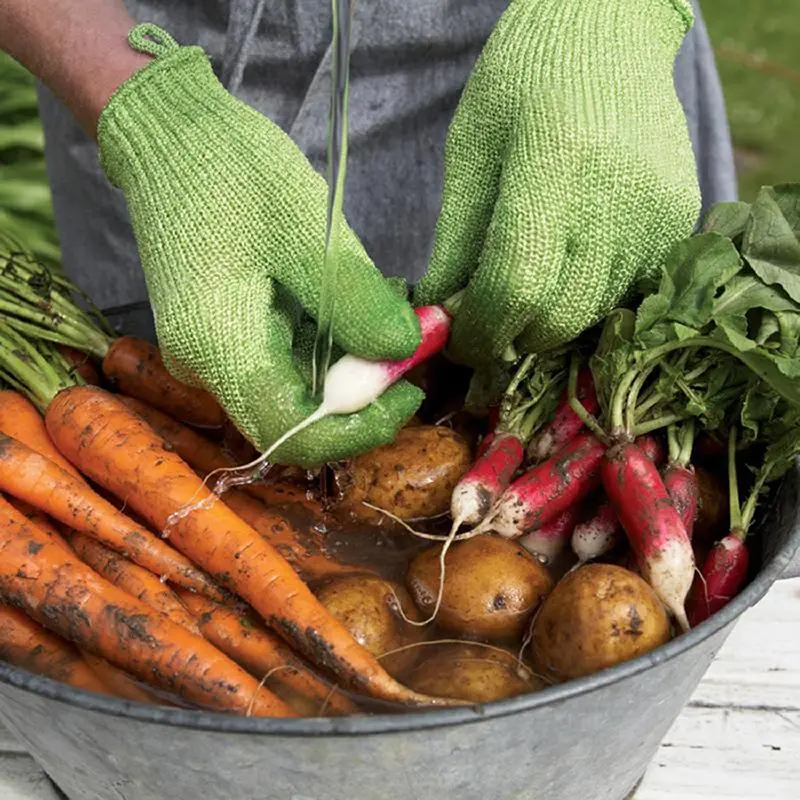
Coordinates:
(548, 541)
(21, 420)
(489, 476)
(42, 521)
(565, 424)
(25, 643)
(81, 363)
(241, 638)
(134, 580)
(300, 545)
(548, 490)
(59, 591)
(204, 456)
(119, 681)
(41, 483)
(653, 526)
(723, 575)
(114, 447)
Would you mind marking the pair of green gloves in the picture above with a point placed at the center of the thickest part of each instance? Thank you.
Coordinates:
(568, 175)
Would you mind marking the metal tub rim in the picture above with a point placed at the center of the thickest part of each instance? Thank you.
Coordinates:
(218, 722)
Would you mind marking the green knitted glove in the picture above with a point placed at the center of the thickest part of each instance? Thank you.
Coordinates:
(568, 172)
(229, 217)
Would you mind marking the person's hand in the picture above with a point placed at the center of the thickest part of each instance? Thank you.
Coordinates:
(229, 217)
(569, 172)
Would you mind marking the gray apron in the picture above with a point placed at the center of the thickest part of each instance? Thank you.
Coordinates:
(409, 63)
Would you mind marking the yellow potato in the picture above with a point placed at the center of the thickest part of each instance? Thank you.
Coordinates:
(412, 477)
(491, 587)
(597, 616)
(368, 607)
(473, 673)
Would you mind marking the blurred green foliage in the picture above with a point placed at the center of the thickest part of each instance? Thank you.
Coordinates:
(757, 43)
(26, 212)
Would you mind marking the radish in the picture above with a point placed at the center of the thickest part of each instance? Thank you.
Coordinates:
(653, 526)
(546, 491)
(487, 479)
(598, 535)
(566, 424)
(723, 575)
(652, 447)
(679, 477)
(352, 383)
(681, 485)
(547, 542)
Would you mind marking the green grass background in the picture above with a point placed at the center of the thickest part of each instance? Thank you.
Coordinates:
(757, 44)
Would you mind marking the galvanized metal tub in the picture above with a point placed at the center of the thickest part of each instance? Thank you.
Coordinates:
(592, 738)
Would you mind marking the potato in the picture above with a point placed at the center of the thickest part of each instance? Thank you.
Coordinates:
(412, 477)
(367, 607)
(491, 587)
(473, 673)
(712, 508)
(598, 616)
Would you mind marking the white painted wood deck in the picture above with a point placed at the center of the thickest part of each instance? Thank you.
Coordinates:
(738, 739)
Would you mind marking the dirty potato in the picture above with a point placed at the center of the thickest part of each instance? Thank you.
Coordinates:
(491, 587)
(413, 477)
(473, 673)
(596, 617)
(368, 607)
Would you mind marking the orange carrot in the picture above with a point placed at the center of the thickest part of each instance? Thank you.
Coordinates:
(204, 456)
(81, 363)
(116, 448)
(39, 482)
(59, 591)
(21, 420)
(138, 370)
(41, 521)
(119, 681)
(242, 638)
(300, 545)
(134, 580)
(25, 643)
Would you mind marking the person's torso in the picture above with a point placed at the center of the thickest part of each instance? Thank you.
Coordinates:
(410, 60)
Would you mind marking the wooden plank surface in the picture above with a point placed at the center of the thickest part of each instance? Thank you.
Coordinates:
(738, 739)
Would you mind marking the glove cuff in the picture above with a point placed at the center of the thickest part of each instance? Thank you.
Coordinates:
(174, 101)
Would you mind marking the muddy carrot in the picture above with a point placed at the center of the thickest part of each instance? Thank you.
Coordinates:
(261, 653)
(21, 420)
(39, 482)
(299, 544)
(120, 683)
(25, 643)
(82, 363)
(116, 448)
(204, 456)
(133, 579)
(60, 591)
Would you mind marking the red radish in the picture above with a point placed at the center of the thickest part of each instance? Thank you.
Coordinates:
(602, 533)
(598, 535)
(654, 528)
(485, 444)
(653, 448)
(547, 542)
(723, 575)
(681, 485)
(566, 424)
(486, 480)
(546, 491)
(352, 383)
